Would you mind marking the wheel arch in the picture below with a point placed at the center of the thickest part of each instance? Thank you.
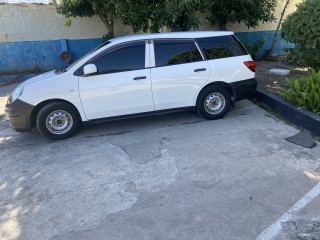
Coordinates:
(219, 83)
(35, 111)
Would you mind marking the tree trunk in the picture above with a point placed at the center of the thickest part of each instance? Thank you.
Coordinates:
(109, 23)
(269, 51)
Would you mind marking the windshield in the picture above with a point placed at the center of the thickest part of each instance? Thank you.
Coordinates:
(73, 64)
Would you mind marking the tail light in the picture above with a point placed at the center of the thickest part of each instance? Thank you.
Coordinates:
(251, 65)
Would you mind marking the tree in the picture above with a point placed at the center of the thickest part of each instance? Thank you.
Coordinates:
(106, 10)
(269, 51)
(303, 29)
(152, 15)
(251, 12)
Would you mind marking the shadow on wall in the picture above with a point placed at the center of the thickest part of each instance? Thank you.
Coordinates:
(39, 56)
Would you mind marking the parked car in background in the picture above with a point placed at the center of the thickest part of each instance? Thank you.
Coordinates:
(133, 76)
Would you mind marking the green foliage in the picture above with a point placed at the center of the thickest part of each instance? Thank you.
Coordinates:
(302, 28)
(253, 49)
(106, 37)
(86, 8)
(141, 15)
(251, 12)
(106, 10)
(305, 92)
(152, 15)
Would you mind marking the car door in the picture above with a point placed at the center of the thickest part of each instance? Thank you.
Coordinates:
(179, 71)
(122, 84)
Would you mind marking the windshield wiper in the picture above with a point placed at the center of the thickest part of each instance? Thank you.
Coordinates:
(62, 69)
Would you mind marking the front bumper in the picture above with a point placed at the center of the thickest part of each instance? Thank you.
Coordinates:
(244, 89)
(19, 113)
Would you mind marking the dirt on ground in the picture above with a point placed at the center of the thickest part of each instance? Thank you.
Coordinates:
(275, 83)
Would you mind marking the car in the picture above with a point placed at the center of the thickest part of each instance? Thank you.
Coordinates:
(206, 71)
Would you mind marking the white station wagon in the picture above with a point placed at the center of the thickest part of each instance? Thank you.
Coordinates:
(133, 76)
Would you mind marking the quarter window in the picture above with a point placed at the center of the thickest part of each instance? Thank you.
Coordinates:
(127, 58)
(221, 47)
(171, 52)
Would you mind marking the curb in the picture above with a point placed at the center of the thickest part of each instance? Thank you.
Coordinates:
(288, 111)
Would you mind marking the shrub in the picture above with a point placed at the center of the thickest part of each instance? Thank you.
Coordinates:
(305, 92)
(302, 28)
(253, 49)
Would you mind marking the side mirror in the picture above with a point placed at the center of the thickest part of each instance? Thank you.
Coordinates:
(90, 69)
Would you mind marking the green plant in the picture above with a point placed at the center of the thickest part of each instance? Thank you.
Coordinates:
(106, 37)
(253, 49)
(302, 28)
(249, 12)
(305, 92)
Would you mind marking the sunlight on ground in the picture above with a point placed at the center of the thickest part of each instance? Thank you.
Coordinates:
(5, 139)
(313, 175)
(300, 69)
(10, 229)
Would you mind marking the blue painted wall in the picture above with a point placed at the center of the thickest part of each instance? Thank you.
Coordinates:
(35, 56)
(253, 37)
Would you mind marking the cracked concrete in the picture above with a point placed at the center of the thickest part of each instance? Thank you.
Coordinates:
(173, 176)
(40, 185)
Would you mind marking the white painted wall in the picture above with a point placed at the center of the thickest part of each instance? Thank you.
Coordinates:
(31, 22)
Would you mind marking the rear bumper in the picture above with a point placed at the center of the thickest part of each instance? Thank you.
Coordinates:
(244, 89)
(19, 113)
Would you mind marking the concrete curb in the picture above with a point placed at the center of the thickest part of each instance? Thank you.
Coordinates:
(288, 111)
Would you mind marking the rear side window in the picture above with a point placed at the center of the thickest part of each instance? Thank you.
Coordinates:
(127, 58)
(221, 47)
(171, 52)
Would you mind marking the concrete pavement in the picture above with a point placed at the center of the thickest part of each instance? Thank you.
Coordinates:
(175, 176)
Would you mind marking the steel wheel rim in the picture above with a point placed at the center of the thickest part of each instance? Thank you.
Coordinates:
(214, 103)
(59, 122)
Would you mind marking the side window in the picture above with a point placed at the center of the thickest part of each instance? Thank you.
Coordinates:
(127, 58)
(171, 52)
(221, 47)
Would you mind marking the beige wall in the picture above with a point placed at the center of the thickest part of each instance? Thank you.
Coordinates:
(25, 22)
(32, 22)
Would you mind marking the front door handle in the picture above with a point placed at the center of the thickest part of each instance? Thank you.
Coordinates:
(140, 78)
(200, 70)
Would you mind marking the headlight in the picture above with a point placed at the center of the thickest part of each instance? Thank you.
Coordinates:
(15, 94)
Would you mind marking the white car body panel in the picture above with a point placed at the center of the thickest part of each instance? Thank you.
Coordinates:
(53, 86)
(230, 69)
(116, 94)
(176, 86)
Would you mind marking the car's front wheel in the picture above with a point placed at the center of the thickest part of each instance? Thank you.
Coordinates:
(58, 120)
(213, 102)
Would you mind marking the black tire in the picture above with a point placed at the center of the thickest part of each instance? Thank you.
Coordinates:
(215, 98)
(58, 120)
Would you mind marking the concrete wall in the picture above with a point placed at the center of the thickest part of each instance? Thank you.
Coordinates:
(38, 56)
(31, 22)
(32, 37)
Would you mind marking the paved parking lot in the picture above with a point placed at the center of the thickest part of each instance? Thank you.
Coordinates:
(174, 176)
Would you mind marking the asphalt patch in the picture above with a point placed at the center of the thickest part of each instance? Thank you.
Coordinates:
(303, 139)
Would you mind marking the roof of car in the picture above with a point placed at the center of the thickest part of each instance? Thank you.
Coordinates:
(180, 35)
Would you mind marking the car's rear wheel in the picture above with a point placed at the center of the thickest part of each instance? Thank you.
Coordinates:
(213, 102)
(58, 120)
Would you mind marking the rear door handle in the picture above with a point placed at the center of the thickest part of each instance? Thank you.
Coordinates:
(140, 78)
(200, 70)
